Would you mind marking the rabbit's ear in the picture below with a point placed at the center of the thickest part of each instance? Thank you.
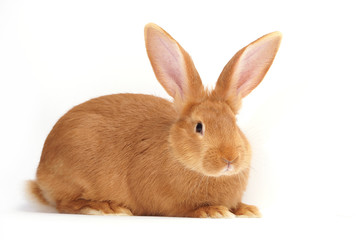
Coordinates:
(246, 69)
(172, 65)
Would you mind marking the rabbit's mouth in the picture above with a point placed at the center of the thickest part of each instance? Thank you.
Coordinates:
(228, 170)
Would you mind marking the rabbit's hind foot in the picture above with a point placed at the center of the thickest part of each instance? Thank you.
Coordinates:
(92, 207)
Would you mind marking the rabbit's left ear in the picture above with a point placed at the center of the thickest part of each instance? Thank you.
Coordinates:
(246, 69)
(172, 66)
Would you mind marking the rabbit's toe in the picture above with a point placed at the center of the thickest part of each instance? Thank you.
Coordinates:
(212, 212)
(247, 211)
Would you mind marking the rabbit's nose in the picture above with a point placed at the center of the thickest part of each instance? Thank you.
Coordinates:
(229, 167)
(229, 161)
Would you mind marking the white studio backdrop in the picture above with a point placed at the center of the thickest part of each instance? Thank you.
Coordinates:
(303, 121)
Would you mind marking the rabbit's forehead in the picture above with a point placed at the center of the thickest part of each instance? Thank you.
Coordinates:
(215, 113)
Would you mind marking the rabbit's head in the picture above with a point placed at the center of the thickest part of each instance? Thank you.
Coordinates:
(205, 137)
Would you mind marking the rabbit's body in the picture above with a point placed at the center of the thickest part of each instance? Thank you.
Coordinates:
(97, 163)
(143, 155)
(104, 165)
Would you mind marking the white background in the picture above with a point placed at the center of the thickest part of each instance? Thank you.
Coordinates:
(303, 121)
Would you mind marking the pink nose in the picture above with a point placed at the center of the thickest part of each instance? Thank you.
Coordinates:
(229, 161)
(229, 166)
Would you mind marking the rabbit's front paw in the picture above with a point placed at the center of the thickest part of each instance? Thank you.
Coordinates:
(212, 212)
(249, 211)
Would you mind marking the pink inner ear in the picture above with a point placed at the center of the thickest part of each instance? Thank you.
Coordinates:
(170, 61)
(253, 65)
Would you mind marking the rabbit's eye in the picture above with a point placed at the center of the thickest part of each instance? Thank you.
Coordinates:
(199, 128)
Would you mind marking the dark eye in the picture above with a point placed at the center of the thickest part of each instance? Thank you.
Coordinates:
(199, 128)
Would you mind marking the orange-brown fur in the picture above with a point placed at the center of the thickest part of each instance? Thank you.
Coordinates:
(138, 154)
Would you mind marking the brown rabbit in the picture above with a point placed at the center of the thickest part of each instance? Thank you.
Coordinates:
(134, 154)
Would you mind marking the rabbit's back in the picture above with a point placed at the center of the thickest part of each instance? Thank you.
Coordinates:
(92, 147)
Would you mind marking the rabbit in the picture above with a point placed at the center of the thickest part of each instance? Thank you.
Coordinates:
(136, 154)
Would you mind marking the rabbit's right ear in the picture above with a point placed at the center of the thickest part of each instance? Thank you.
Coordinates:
(246, 69)
(172, 66)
